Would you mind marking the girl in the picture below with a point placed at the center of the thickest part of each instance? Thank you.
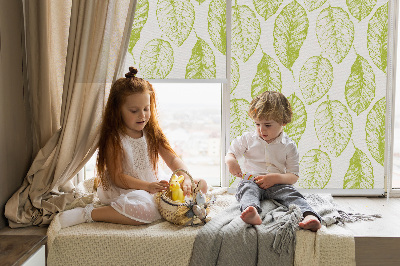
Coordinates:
(131, 142)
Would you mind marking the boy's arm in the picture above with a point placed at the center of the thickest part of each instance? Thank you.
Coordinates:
(288, 178)
(233, 165)
(238, 146)
(268, 180)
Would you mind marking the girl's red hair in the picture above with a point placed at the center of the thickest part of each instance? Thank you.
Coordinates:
(113, 126)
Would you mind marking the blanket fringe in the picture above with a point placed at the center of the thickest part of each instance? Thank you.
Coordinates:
(350, 217)
(286, 233)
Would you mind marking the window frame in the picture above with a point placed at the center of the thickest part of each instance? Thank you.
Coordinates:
(391, 94)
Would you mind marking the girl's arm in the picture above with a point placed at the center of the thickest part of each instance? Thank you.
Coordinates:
(171, 160)
(174, 162)
(124, 181)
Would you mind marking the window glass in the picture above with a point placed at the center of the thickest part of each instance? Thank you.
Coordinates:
(90, 167)
(190, 116)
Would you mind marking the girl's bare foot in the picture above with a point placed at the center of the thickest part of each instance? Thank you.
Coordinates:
(310, 222)
(250, 216)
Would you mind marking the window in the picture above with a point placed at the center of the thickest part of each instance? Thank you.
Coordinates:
(90, 167)
(248, 67)
(190, 116)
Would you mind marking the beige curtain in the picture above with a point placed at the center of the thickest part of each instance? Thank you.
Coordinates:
(46, 38)
(97, 42)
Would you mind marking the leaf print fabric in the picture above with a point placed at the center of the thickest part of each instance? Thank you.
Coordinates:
(179, 39)
(217, 24)
(328, 57)
(333, 126)
(335, 32)
(157, 59)
(316, 168)
(175, 18)
(290, 31)
(245, 32)
(268, 77)
(202, 62)
(360, 173)
(360, 8)
(316, 77)
(360, 86)
(378, 36)
(297, 126)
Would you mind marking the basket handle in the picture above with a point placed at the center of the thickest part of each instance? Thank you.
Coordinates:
(186, 172)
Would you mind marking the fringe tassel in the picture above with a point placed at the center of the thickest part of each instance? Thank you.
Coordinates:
(350, 217)
(288, 225)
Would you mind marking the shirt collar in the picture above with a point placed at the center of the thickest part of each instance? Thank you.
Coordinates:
(282, 138)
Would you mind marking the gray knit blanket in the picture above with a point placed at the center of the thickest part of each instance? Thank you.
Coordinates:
(227, 240)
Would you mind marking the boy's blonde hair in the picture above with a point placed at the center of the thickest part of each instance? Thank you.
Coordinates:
(271, 105)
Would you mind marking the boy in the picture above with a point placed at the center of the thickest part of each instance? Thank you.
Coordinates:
(271, 154)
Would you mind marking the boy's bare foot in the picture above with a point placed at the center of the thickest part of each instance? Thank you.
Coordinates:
(310, 222)
(250, 216)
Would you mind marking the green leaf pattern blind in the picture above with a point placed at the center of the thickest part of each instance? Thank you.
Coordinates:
(329, 58)
(179, 39)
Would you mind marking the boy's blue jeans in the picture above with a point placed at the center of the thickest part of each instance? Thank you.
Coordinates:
(250, 194)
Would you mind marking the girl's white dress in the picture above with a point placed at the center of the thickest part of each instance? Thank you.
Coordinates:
(138, 205)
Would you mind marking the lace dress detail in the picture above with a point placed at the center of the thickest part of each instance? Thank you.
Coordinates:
(138, 205)
(136, 160)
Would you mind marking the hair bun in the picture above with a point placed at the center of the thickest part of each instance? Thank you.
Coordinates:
(132, 72)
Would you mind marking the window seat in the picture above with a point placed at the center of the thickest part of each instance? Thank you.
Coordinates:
(162, 243)
(376, 242)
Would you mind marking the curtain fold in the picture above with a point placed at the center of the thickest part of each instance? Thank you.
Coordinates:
(96, 44)
(46, 24)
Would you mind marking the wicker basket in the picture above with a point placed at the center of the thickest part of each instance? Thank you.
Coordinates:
(176, 212)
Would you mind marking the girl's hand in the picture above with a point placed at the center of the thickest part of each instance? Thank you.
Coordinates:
(155, 187)
(266, 181)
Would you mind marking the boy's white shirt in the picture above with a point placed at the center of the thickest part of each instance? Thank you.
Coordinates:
(280, 156)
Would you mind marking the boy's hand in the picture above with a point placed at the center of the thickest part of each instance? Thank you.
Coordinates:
(154, 187)
(234, 169)
(266, 181)
(187, 186)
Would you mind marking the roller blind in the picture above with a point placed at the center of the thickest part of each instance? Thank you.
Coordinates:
(179, 39)
(329, 57)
